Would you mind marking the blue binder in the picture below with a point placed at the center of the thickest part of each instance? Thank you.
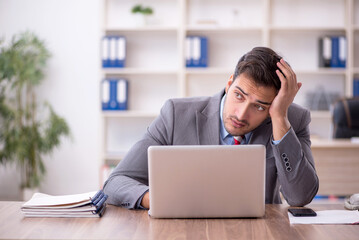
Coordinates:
(105, 52)
(188, 55)
(120, 52)
(114, 94)
(122, 94)
(356, 87)
(334, 63)
(342, 51)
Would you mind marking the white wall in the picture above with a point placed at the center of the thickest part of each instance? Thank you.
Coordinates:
(71, 29)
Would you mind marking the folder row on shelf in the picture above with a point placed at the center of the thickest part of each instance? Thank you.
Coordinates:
(113, 51)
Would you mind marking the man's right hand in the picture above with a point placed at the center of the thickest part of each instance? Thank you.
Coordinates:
(146, 200)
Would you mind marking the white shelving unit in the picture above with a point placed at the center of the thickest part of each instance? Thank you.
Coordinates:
(155, 65)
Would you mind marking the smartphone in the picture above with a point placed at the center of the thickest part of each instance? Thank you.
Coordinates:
(302, 212)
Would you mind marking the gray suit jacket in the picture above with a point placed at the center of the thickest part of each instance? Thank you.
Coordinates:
(195, 121)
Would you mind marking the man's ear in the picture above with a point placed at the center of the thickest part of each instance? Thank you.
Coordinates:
(229, 83)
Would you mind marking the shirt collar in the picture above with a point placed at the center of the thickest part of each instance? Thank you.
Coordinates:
(223, 130)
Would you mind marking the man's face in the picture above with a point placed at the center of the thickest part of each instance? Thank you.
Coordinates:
(246, 105)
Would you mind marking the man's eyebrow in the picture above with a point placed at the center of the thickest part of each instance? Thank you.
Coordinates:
(259, 101)
(264, 103)
(240, 89)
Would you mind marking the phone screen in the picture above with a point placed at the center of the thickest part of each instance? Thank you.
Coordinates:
(302, 212)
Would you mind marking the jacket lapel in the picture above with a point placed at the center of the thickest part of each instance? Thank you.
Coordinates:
(207, 121)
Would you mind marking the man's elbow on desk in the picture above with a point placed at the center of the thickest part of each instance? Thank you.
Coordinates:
(302, 198)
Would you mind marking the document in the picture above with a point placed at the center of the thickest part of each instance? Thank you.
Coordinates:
(328, 217)
(91, 204)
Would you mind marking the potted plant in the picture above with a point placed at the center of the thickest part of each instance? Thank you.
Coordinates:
(141, 14)
(28, 130)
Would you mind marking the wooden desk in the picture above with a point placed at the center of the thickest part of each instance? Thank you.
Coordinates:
(119, 223)
(337, 165)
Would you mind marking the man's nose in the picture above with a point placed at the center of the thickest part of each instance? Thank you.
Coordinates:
(242, 111)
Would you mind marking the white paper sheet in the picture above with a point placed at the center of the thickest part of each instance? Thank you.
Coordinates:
(328, 217)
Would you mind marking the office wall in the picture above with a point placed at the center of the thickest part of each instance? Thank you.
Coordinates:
(71, 30)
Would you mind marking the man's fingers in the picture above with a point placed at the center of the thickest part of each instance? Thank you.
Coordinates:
(282, 79)
(288, 73)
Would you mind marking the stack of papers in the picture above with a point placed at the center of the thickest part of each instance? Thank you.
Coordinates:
(328, 217)
(91, 204)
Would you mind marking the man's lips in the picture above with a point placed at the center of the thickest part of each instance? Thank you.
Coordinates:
(237, 124)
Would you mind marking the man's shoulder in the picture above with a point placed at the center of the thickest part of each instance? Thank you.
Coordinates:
(195, 102)
(190, 100)
(295, 109)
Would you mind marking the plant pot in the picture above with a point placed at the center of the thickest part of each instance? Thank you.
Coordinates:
(139, 20)
(27, 193)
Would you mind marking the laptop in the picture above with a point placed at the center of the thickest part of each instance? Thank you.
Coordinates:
(212, 181)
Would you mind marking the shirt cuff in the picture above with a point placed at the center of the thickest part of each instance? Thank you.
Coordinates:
(138, 204)
(276, 142)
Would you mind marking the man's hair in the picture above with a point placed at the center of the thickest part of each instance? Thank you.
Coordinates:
(260, 65)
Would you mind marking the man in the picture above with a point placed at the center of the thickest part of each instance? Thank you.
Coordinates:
(256, 107)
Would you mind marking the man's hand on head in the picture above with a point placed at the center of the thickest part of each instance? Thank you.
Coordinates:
(279, 107)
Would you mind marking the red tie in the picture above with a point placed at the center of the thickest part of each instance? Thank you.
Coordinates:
(238, 141)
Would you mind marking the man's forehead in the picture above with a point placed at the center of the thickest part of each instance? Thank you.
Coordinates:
(250, 88)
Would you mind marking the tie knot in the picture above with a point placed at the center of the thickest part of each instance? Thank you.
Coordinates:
(238, 140)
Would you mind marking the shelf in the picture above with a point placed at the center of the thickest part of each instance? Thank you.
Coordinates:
(146, 29)
(222, 29)
(306, 29)
(319, 71)
(138, 71)
(356, 70)
(204, 71)
(128, 114)
(322, 71)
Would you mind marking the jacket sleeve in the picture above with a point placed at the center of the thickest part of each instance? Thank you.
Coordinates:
(129, 180)
(295, 165)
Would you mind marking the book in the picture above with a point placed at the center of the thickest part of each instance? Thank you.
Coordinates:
(91, 204)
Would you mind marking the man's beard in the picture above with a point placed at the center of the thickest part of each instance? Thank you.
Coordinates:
(244, 130)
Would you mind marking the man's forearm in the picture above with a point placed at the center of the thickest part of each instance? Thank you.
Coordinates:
(280, 127)
(124, 191)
